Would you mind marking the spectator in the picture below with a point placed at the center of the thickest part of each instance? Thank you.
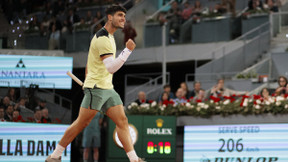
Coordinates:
(165, 99)
(174, 18)
(141, 98)
(96, 27)
(167, 89)
(272, 5)
(48, 8)
(197, 10)
(220, 8)
(55, 21)
(195, 91)
(17, 117)
(6, 102)
(286, 89)
(58, 7)
(89, 17)
(21, 104)
(265, 94)
(161, 17)
(220, 91)
(180, 97)
(225, 6)
(72, 17)
(92, 138)
(185, 88)
(82, 25)
(65, 29)
(44, 26)
(54, 38)
(45, 116)
(30, 95)
(41, 104)
(99, 17)
(37, 116)
(229, 5)
(34, 24)
(11, 94)
(200, 96)
(186, 12)
(255, 5)
(2, 114)
(129, 32)
(9, 113)
(282, 82)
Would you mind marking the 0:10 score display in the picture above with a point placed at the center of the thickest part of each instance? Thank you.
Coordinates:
(161, 147)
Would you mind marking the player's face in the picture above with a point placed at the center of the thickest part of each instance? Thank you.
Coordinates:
(118, 20)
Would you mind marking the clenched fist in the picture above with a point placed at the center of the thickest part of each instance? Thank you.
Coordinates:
(130, 45)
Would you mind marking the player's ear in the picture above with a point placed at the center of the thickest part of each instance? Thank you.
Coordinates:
(109, 17)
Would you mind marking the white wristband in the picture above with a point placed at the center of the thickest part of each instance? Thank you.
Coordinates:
(125, 54)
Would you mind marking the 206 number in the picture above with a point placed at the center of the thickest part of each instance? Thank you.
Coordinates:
(231, 145)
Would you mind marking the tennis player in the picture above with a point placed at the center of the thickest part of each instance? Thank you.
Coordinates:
(99, 94)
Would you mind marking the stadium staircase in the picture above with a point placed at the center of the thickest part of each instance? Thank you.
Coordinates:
(267, 62)
(250, 54)
(153, 87)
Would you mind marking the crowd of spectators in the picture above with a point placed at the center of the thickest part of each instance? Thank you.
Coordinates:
(179, 13)
(53, 18)
(266, 5)
(218, 91)
(13, 109)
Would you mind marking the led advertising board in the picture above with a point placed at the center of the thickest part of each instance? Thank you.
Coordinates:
(236, 143)
(31, 142)
(44, 71)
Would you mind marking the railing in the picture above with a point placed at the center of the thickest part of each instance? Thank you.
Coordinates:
(250, 84)
(60, 100)
(222, 75)
(26, 113)
(154, 82)
(159, 10)
(253, 70)
(249, 47)
(277, 21)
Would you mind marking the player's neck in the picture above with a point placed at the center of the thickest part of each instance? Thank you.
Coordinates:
(110, 28)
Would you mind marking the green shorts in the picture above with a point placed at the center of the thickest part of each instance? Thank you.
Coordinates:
(100, 99)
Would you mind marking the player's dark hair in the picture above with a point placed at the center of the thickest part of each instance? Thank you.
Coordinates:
(111, 10)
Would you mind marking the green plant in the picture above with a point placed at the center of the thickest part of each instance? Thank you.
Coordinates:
(254, 105)
(250, 74)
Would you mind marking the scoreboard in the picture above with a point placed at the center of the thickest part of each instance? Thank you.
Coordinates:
(236, 143)
(154, 138)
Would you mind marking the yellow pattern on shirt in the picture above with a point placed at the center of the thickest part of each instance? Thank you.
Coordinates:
(97, 74)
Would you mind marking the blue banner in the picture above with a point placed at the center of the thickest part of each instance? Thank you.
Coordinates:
(31, 142)
(44, 71)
